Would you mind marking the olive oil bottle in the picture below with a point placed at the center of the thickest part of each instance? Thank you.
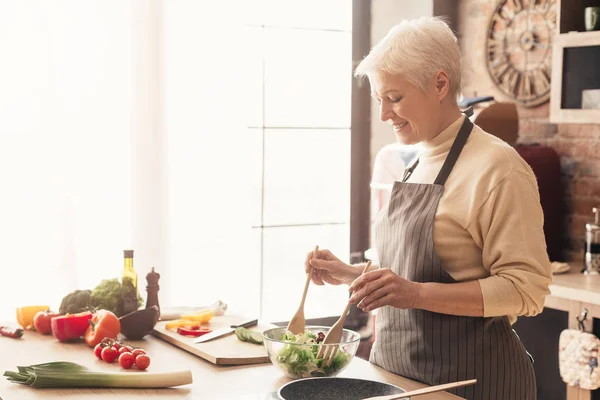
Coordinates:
(129, 284)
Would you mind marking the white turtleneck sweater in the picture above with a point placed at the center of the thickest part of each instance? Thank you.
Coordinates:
(489, 222)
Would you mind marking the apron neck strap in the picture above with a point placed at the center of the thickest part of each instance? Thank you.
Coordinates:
(457, 146)
(409, 170)
(468, 112)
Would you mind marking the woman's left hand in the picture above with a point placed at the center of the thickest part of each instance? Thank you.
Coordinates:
(383, 288)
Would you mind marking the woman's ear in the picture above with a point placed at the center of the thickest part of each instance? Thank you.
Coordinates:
(442, 84)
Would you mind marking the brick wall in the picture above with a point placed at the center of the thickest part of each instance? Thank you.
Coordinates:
(577, 144)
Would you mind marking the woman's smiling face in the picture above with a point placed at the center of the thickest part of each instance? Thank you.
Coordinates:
(412, 113)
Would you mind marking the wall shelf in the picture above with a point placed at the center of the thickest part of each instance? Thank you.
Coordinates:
(575, 67)
(569, 14)
(578, 39)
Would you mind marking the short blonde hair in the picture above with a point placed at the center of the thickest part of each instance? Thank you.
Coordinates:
(417, 49)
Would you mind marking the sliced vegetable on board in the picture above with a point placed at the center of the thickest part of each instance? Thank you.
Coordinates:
(195, 332)
(64, 374)
(247, 335)
(182, 323)
(201, 316)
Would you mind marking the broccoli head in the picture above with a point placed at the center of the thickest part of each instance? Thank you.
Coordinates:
(107, 296)
(76, 302)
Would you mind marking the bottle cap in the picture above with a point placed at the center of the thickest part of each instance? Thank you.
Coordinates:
(128, 253)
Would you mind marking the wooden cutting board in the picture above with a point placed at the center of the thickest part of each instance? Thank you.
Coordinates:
(226, 350)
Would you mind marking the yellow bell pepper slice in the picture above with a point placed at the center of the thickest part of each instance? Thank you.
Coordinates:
(180, 323)
(191, 320)
(25, 315)
(203, 316)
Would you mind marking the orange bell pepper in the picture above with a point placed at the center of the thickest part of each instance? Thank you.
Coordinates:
(104, 324)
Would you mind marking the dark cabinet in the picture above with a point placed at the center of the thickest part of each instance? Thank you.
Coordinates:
(540, 336)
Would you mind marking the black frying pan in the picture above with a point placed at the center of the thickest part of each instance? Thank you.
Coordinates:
(335, 389)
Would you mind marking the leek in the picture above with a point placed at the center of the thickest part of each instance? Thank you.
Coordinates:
(64, 374)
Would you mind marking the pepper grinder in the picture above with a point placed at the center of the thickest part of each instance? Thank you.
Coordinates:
(152, 289)
(592, 246)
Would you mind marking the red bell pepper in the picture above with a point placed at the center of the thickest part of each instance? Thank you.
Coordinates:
(70, 326)
(193, 331)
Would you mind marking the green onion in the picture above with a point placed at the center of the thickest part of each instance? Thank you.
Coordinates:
(64, 374)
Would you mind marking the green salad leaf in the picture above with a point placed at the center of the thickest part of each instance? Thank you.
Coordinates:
(299, 357)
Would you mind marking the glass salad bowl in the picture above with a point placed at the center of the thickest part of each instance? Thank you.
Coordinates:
(296, 355)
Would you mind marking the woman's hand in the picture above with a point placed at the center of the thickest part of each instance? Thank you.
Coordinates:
(383, 288)
(327, 268)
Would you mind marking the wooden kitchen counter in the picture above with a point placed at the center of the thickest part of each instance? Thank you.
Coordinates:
(574, 292)
(576, 286)
(210, 382)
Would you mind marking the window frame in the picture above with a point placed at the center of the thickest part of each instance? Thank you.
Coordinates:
(360, 143)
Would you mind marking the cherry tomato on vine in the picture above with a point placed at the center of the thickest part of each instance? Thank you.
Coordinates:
(109, 354)
(142, 361)
(137, 352)
(126, 360)
(98, 351)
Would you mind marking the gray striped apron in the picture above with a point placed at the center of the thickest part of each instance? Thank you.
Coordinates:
(437, 348)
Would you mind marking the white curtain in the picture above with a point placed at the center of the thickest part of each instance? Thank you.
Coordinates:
(65, 114)
(124, 124)
(212, 252)
(87, 102)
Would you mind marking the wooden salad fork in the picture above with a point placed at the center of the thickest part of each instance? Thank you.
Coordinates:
(427, 390)
(296, 324)
(330, 345)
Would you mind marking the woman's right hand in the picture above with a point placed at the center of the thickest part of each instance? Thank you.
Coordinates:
(327, 268)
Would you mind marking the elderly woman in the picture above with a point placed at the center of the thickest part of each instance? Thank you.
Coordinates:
(461, 244)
